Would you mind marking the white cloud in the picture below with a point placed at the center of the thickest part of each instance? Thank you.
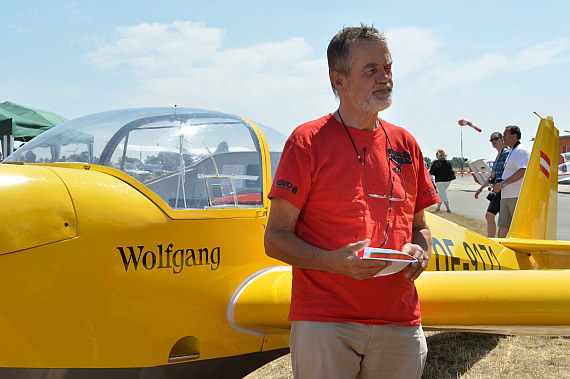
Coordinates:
(154, 47)
(281, 83)
(543, 54)
(185, 63)
(184, 47)
(412, 48)
(429, 71)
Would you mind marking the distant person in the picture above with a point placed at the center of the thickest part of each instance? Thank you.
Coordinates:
(511, 183)
(222, 148)
(444, 174)
(30, 157)
(494, 178)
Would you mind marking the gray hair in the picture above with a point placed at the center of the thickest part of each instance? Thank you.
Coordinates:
(338, 52)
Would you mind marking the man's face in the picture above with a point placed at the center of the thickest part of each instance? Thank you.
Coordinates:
(369, 84)
(509, 139)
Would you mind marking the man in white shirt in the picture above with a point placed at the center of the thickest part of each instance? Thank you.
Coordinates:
(510, 187)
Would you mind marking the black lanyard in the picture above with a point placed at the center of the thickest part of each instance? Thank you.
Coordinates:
(513, 149)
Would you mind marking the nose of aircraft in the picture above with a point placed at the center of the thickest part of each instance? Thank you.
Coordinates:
(36, 208)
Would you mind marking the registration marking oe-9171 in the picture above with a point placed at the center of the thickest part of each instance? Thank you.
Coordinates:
(472, 257)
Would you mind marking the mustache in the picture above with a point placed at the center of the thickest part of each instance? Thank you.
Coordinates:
(381, 87)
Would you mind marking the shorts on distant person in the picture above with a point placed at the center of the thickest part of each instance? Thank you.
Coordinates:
(507, 211)
(495, 205)
(441, 188)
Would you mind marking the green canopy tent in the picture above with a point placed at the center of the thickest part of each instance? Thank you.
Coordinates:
(22, 123)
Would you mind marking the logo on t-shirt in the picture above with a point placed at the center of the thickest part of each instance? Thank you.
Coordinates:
(286, 185)
(400, 158)
(430, 192)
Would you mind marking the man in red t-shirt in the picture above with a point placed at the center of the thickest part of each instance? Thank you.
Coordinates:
(346, 181)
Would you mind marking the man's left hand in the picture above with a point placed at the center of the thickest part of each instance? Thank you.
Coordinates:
(497, 187)
(413, 270)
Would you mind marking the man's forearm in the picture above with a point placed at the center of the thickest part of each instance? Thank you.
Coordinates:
(285, 246)
(516, 176)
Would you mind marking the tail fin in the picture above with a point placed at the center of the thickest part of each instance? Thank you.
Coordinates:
(479, 170)
(536, 211)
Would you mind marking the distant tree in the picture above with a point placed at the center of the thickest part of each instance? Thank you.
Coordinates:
(428, 161)
(81, 157)
(132, 160)
(456, 162)
(153, 159)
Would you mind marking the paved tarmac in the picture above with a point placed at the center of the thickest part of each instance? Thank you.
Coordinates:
(461, 193)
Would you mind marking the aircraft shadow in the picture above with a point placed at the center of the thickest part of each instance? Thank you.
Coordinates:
(451, 354)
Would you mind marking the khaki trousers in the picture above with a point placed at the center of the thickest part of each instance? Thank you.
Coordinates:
(352, 350)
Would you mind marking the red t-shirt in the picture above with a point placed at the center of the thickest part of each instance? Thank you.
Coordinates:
(320, 174)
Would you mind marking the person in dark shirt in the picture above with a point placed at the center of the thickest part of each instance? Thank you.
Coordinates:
(444, 174)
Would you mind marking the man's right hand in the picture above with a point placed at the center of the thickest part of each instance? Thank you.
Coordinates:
(282, 243)
(345, 261)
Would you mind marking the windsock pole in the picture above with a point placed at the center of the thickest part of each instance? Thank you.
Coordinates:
(462, 160)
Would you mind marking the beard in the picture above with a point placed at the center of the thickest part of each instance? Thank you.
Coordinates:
(374, 102)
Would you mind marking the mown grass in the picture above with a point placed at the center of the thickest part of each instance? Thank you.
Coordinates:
(474, 355)
(467, 222)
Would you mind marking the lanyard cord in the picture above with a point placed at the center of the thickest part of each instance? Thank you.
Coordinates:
(363, 164)
(351, 140)
(391, 151)
(510, 152)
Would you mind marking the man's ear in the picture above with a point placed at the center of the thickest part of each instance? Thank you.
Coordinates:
(338, 81)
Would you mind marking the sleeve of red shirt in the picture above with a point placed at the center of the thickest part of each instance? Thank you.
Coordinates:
(292, 181)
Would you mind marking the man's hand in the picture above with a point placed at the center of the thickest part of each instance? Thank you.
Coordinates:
(413, 270)
(345, 261)
(498, 187)
(282, 243)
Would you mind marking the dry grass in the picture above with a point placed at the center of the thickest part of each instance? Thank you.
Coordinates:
(277, 369)
(467, 222)
(474, 355)
(480, 355)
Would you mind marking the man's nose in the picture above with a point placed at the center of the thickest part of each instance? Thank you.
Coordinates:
(382, 76)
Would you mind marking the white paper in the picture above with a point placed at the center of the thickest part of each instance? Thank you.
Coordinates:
(387, 255)
(398, 260)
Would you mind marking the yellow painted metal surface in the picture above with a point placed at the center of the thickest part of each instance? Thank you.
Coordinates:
(35, 208)
(131, 283)
(175, 214)
(264, 304)
(456, 248)
(495, 298)
(536, 211)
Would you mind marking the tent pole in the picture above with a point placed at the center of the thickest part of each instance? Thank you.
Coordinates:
(4, 146)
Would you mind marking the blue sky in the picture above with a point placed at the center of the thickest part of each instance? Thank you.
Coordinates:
(491, 62)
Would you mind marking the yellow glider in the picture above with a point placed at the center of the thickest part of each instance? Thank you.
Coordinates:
(131, 244)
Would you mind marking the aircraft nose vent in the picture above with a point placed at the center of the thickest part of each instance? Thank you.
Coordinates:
(36, 208)
(184, 350)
